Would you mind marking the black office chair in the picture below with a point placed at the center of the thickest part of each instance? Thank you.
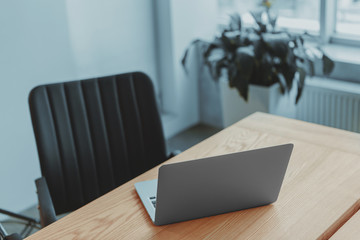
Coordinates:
(5, 236)
(92, 136)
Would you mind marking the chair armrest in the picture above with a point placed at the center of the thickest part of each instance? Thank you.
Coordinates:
(46, 207)
(173, 154)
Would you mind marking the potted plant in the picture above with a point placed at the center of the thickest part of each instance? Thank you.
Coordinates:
(259, 57)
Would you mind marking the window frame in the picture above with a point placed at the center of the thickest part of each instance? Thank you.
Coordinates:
(328, 21)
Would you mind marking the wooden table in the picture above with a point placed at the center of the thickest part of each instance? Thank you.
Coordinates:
(319, 197)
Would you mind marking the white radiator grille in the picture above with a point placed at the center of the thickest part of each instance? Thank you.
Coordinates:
(331, 103)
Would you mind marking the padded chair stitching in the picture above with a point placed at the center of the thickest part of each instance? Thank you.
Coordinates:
(105, 129)
(73, 142)
(86, 107)
(57, 143)
(138, 116)
(125, 161)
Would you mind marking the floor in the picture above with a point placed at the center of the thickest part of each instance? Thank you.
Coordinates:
(182, 141)
(190, 137)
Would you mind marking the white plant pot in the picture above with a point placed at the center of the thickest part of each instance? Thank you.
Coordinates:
(221, 106)
(260, 98)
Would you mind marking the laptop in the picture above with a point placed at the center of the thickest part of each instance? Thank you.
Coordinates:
(215, 185)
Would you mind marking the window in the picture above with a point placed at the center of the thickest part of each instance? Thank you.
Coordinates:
(329, 19)
(348, 17)
(292, 14)
(298, 14)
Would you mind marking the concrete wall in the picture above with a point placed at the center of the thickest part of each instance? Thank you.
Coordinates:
(45, 41)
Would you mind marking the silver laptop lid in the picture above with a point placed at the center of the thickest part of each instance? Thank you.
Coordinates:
(215, 185)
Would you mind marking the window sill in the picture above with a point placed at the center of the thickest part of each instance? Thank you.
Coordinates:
(346, 59)
(347, 62)
(342, 53)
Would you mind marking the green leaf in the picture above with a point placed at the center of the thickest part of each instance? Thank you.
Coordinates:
(259, 48)
(282, 82)
(328, 65)
(301, 83)
(208, 50)
(264, 71)
(184, 58)
(257, 15)
(235, 22)
(241, 71)
(277, 44)
(222, 63)
(212, 69)
(272, 18)
(311, 67)
(289, 73)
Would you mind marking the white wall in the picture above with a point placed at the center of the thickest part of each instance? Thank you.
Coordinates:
(109, 37)
(45, 41)
(180, 22)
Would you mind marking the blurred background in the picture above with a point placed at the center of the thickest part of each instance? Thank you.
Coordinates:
(52, 41)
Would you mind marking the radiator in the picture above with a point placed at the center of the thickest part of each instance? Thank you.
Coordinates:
(332, 103)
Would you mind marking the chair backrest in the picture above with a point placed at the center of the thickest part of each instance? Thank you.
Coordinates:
(94, 135)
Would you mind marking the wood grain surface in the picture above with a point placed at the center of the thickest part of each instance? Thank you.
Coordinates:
(350, 230)
(319, 195)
